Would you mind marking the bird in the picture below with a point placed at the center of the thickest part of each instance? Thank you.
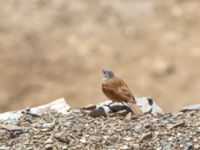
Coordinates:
(116, 89)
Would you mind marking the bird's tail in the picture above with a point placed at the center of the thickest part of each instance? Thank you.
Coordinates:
(134, 108)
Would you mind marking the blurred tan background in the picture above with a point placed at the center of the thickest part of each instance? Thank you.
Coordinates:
(57, 48)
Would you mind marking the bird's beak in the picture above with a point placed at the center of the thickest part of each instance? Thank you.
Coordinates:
(103, 71)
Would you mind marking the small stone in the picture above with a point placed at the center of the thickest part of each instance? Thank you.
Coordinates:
(146, 136)
(166, 145)
(4, 148)
(48, 147)
(129, 116)
(128, 138)
(64, 148)
(13, 128)
(124, 147)
(138, 128)
(58, 135)
(97, 113)
(179, 134)
(62, 138)
(89, 107)
(48, 125)
(136, 146)
(195, 140)
(49, 141)
(147, 125)
(83, 140)
(45, 129)
(122, 112)
(188, 146)
(190, 108)
(196, 146)
(180, 124)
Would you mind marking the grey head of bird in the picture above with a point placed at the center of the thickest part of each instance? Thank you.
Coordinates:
(108, 74)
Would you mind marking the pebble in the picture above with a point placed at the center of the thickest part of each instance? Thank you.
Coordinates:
(48, 147)
(146, 136)
(124, 147)
(4, 148)
(83, 140)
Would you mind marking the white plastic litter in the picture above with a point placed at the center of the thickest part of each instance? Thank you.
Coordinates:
(191, 107)
(146, 104)
(58, 105)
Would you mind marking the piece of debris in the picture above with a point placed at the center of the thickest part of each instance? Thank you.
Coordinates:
(146, 136)
(97, 113)
(89, 107)
(58, 105)
(190, 108)
(13, 128)
(180, 124)
(146, 104)
(129, 116)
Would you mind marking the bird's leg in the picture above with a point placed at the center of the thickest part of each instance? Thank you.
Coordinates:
(123, 103)
(125, 107)
(108, 105)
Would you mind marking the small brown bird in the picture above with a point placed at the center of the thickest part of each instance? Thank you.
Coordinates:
(118, 91)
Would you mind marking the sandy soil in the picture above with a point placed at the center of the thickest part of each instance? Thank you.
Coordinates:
(51, 49)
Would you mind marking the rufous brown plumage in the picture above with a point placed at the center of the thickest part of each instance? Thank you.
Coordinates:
(118, 91)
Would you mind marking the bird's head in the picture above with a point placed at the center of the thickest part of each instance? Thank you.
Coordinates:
(108, 74)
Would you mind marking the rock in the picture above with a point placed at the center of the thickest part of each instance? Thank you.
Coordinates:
(196, 146)
(190, 108)
(58, 135)
(4, 148)
(48, 125)
(48, 147)
(188, 146)
(98, 113)
(128, 138)
(49, 141)
(124, 147)
(129, 116)
(180, 124)
(13, 128)
(147, 125)
(83, 140)
(135, 146)
(89, 107)
(62, 138)
(166, 145)
(146, 136)
(121, 113)
(138, 128)
(64, 148)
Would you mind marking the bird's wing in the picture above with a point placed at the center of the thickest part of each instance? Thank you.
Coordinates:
(125, 93)
(118, 89)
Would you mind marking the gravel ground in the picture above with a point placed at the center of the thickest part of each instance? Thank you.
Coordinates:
(79, 130)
